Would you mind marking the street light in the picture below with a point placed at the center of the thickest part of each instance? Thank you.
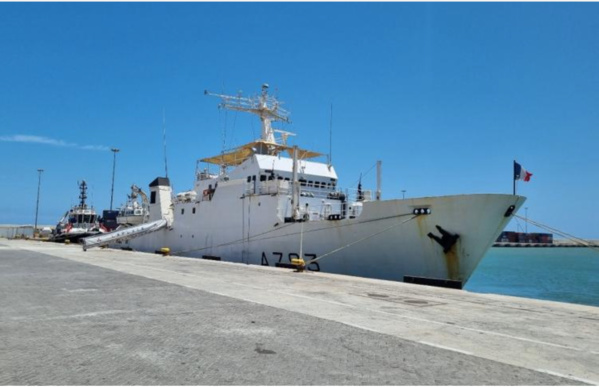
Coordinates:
(526, 220)
(39, 182)
(403, 193)
(114, 151)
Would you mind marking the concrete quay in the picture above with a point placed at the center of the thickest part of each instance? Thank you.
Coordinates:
(109, 317)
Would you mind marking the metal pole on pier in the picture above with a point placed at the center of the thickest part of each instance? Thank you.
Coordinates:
(330, 158)
(296, 188)
(378, 179)
(115, 151)
(37, 205)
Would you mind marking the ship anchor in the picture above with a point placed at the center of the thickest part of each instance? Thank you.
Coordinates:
(447, 239)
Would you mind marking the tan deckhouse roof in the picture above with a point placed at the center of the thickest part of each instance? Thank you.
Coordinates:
(240, 154)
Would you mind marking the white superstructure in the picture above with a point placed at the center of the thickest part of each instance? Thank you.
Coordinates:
(271, 203)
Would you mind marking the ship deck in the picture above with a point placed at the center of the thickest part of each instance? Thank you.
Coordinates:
(109, 317)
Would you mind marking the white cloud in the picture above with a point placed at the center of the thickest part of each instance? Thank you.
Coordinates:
(50, 141)
(94, 147)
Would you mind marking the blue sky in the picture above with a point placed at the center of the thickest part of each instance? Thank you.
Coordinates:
(445, 94)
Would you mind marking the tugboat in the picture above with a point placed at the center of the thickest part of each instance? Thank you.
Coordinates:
(79, 222)
(271, 204)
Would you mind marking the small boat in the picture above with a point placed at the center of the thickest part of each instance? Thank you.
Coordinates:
(79, 222)
(132, 212)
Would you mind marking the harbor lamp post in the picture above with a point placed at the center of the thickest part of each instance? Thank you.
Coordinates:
(114, 151)
(37, 205)
(403, 193)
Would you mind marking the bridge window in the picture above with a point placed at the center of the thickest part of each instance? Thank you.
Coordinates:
(193, 210)
(153, 197)
(182, 211)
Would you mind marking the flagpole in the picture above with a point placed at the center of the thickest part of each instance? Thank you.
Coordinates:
(514, 176)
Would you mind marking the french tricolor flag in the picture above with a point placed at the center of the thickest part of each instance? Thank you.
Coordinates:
(521, 173)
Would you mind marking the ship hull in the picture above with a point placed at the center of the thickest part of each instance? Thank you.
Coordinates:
(387, 241)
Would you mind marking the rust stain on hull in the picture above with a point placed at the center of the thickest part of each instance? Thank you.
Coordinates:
(452, 260)
(421, 225)
(451, 246)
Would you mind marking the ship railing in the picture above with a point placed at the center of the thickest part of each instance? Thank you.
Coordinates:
(359, 195)
(271, 187)
(351, 195)
(284, 187)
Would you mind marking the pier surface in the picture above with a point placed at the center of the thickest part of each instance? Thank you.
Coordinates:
(108, 317)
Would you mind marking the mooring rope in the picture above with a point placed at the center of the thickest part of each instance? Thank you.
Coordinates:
(359, 240)
(564, 234)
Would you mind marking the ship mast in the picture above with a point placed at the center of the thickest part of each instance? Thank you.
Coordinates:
(83, 194)
(266, 107)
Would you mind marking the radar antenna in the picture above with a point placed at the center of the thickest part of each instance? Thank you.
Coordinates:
(267, 107)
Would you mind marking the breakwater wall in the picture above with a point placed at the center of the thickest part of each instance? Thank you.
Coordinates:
(555, 243)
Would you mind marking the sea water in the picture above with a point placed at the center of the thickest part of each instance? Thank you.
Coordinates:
(565, 274)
